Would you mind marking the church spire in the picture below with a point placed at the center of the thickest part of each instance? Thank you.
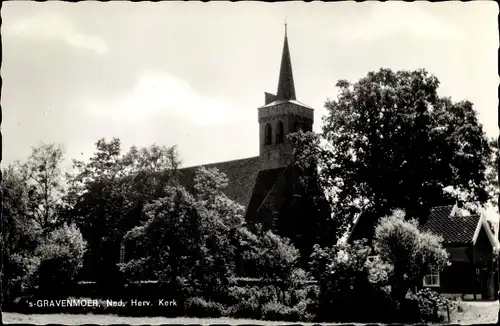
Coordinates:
(286, 87)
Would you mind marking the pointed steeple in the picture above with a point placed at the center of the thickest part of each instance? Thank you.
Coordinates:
(286, 87)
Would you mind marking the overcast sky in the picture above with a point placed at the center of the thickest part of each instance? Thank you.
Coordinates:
(194, 74)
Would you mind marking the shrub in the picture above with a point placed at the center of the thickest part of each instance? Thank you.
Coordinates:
(307, 292)
(306, 310)
(247, 301)
(279, 312)
(347, 279)
(61, 254)
(276, 311)
(245, 309)
(258, 294)
(199, 307)
(409, 310)
(413, 253)
(261, 302)
(430, 305)
(24, 271)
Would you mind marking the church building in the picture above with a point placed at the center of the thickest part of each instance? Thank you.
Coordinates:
(266, 185)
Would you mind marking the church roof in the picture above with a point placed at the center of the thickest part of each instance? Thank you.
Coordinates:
(257, 190)
(364, 227)
(265, 186)
(286, 101)
(241, 175)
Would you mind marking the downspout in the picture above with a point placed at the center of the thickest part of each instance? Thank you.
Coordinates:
(497, 257)
(475, 272)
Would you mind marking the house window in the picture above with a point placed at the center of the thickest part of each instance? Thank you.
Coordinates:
(122, 253)
(279, 132)
(432, 280)
(268, 134)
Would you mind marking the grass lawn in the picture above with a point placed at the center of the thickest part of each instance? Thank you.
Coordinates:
(478, 312)
(471, 313)
(68, 319)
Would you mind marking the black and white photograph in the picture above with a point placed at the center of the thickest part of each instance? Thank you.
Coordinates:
(250, 163)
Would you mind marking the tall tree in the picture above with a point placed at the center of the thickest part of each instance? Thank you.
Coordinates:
(107, 195)
(492, 173)
(20, 235)
(98, 203)
(45, 183)
(389, 141)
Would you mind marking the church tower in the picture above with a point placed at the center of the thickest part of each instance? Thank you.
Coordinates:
(281, 115)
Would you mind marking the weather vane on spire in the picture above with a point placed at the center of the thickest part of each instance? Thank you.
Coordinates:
(285, 24)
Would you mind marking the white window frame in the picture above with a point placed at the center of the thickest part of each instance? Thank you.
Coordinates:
(432, 280)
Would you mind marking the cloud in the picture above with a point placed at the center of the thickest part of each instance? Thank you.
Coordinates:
(163, 95)
(393, 19)
(52, 26)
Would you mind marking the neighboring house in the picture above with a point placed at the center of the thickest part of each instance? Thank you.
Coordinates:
(470, 242)
(472, 246)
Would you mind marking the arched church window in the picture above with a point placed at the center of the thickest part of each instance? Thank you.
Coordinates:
(268, 134)
(279, 133)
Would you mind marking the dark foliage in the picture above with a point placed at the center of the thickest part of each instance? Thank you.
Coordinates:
(389, 141)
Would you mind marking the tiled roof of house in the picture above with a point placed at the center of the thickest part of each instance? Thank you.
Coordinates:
(241, 175)
(453, 229)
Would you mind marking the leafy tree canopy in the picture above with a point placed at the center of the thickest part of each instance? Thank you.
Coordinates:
(492, 173)
(411, 252)
(389, 141)
(188, 241)
(45, 183)
(107, 195)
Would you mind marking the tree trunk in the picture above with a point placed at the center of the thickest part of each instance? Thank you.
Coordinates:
(399, 290)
